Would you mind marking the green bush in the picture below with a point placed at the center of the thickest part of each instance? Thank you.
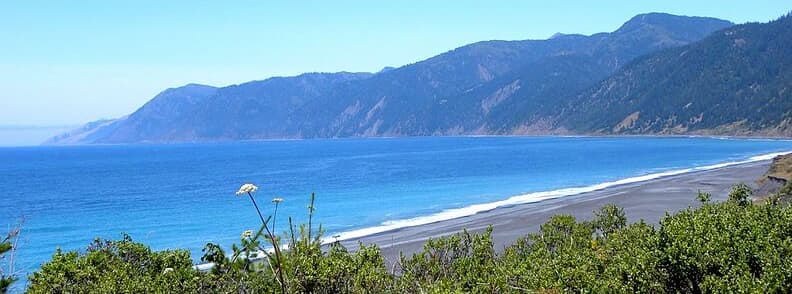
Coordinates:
(462, 262)
(8, 247)
(115, 266)
(732, 246)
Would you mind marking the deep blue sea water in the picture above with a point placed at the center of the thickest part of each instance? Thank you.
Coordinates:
(182, 195)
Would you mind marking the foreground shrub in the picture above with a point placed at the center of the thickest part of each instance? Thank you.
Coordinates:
(115, 266)
(8, 245)
(461, 262)
(309, 270)
(733, 246)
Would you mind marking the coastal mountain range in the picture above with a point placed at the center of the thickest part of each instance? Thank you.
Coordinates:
(656, 74)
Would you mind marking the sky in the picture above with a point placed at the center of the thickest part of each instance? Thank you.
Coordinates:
(64, 63)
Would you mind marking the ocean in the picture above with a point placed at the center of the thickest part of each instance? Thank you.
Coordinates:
(182, 195)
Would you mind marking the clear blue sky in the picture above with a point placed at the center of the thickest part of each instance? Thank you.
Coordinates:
(69, 62)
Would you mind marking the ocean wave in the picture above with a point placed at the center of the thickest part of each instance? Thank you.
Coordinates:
(531, 198)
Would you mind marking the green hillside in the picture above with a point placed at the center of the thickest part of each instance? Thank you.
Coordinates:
(736, 82)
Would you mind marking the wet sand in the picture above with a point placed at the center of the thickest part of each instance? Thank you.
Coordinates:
(648, 200)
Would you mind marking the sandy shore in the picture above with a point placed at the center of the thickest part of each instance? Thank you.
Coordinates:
(648, 200)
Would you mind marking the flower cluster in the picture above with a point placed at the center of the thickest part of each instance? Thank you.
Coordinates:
(247, 234)
(246, 188)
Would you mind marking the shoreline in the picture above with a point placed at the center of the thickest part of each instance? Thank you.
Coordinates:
(533, 197)
(646, 200)
(718, 137)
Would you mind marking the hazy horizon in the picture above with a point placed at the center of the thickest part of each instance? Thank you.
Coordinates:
(15, 136)
(71, 63)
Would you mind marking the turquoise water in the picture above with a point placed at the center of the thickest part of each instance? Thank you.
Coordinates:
(182, 195)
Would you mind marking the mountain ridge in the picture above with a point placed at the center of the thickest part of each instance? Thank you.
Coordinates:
(734, 82)
(488, 87)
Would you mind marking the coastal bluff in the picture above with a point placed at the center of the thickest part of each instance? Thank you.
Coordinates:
(776, 178)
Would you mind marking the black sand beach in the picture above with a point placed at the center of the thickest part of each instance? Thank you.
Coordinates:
(648, 200)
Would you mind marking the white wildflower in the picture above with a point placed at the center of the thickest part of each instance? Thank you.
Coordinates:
(247, 234)
(246, 188)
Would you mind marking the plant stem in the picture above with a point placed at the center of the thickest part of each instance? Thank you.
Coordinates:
(291, 233)
(274, 244)
(277, 258)
(257, 209)
(310, 215)
(274, 215)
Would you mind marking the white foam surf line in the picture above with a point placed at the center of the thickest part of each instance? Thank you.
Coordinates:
(530, 198)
